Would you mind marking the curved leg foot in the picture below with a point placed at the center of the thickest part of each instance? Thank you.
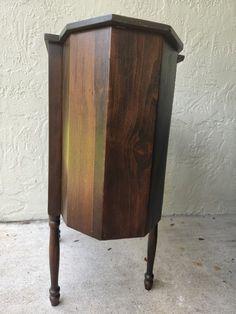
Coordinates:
(148, 281)
(152, 243)
(54, 256)
(54, 296)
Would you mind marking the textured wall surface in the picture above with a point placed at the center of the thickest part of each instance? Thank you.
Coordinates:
(201, 168)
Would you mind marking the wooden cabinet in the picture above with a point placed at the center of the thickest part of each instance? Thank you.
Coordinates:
(111, 86)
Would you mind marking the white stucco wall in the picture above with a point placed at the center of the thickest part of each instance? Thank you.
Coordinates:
(201, 168)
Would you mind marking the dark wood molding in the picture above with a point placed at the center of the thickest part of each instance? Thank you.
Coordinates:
(118, 21)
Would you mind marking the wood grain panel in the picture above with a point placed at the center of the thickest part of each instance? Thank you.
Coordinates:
(134, 82)
(101, 90)
(163, 119)
(86, 69)
(55, 128)
(65, 127)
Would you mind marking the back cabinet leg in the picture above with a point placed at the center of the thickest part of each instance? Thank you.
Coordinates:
(151, 251)
(54, 257)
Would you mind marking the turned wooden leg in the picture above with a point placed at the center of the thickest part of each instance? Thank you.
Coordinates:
(151, 251)
(54, 256)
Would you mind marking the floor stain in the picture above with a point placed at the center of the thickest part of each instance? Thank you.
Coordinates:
(201, 238)
(197, 263)
(217, 268)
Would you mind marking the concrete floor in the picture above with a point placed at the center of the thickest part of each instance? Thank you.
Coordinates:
(192, 275)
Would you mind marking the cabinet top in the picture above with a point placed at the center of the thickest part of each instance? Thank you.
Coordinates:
(118, 21)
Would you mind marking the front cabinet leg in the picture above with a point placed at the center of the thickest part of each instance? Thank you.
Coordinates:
(151, 251)
(54, 256)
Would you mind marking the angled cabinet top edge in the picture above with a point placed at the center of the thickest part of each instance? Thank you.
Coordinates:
(117, 21)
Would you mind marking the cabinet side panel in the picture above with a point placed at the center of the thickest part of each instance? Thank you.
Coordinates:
(65, 125)
(163, 119)
(84, 102)
(55, 128)
(101, 90)
(134, 80)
